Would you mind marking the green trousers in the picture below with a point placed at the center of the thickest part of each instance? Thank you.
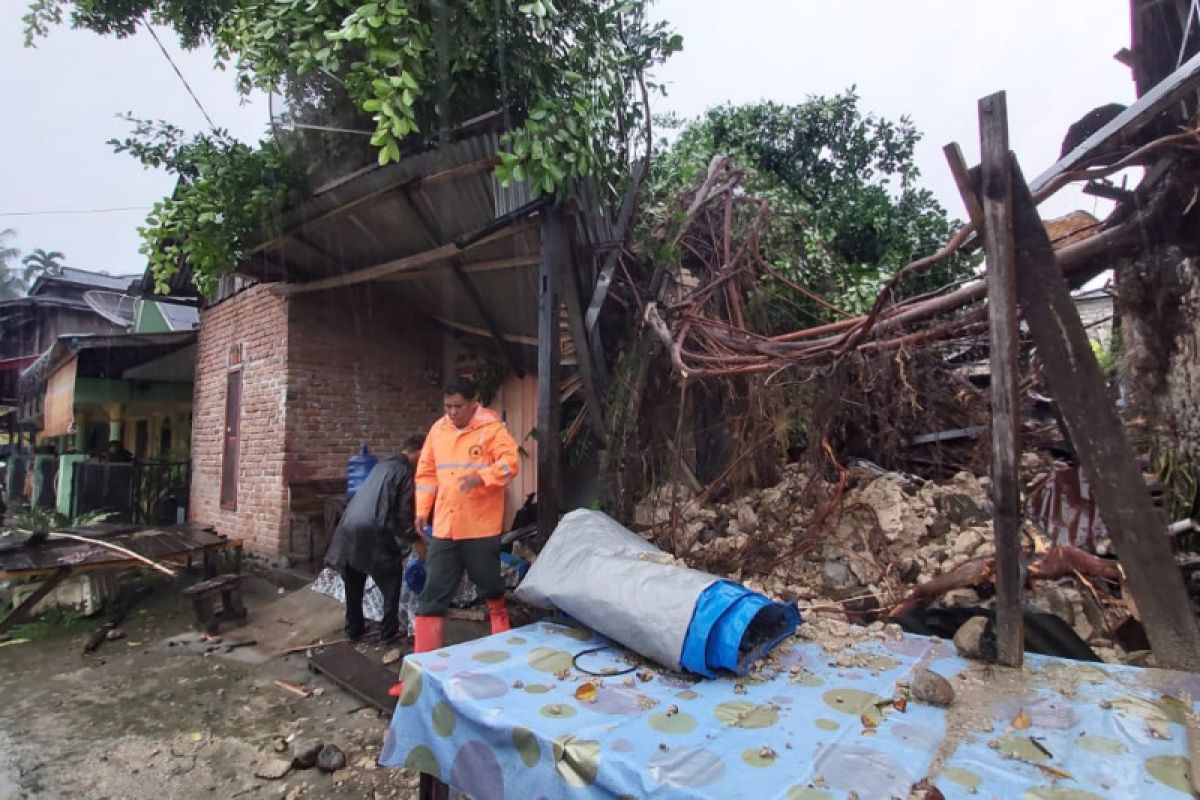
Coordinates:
(444, 565)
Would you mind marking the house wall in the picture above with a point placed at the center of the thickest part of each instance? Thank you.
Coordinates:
(362, 367)
(321, 373)
(257, 321)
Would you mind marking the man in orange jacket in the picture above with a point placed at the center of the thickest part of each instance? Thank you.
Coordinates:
(468, 459)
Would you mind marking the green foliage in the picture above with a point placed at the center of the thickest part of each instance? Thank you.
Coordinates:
(41, 520)
(228, 194)
(569, 72)
(1109, 357)
(846, 211)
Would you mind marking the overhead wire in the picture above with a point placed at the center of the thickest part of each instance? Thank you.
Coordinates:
(182, 79)
(46, 212)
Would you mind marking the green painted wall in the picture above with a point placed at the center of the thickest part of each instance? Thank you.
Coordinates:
(103, 392)
(150, 319)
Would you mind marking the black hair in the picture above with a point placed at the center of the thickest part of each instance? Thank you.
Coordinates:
(413, 444)
(463, 386)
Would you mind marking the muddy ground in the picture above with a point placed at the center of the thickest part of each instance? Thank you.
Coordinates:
(152, 716)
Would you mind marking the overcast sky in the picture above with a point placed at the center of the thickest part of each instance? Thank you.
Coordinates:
(929, 59)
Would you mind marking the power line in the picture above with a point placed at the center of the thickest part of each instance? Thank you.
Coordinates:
(47, 212)
(182, 79)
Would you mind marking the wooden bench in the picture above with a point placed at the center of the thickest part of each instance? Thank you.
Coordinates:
(217, 600)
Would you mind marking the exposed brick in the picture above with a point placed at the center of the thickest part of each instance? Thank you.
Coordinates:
(321, 372)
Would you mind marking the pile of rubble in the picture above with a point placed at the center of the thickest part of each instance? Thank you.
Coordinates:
(857, 550)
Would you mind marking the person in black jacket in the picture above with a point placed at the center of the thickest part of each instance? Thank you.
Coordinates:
(373, 538)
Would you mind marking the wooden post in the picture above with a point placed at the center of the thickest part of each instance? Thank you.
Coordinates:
(590, 363)
(549, 411)
(1108, 462)
(996, 201)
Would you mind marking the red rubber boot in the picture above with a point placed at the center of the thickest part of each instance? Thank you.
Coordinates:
(428, 634)
(498, 615)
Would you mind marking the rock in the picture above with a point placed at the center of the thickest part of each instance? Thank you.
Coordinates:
(331, 758)
(273, 769)
(960, 509)
(967, 542)
(366, 762)
(115, 634)
(837, 579)
(305, 752)
(974, 640)
(391, 656)
(909, 570)
(930, 688)
(280, 745)
(961, 598)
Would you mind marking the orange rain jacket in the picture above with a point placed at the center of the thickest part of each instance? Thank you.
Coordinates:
(484, 447)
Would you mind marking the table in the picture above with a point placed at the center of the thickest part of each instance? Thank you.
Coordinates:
(55, 560)
(509, 716)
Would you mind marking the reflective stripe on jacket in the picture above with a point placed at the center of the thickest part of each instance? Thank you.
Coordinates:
(484, 447)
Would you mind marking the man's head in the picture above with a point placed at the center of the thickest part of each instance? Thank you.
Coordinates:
(115, 447)
(460, 399)
(411, 449)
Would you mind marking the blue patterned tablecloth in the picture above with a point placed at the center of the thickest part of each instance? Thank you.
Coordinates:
(509, 716)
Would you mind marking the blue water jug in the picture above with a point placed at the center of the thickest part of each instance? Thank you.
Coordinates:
(358, 468)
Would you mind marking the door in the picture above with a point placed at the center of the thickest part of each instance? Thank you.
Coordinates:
(229, 462)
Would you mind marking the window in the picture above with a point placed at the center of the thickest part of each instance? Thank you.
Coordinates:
(229, 462)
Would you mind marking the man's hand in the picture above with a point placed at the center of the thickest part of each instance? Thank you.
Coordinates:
(421, 549)
(421, 523)
(469, 482)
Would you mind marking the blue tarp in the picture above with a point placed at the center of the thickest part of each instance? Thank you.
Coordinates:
(514, 716)
(721, 635)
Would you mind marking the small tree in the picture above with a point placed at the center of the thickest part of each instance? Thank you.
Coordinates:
(40, 262)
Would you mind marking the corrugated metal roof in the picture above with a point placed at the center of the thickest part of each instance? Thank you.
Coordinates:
(433, 198)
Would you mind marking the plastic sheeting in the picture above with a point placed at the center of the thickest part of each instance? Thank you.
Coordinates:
(612, 580)
(514, 717)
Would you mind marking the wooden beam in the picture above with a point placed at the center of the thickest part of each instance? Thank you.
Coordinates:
(406, 264)
(471, 267)
(996, 208)
(624, 216)
(549, 412)
(1107, 460)
(1121, 130)
(590, 363)
(966, 190)
(530, 341)
(503, 347)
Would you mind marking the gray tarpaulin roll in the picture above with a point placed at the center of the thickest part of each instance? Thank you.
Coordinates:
(616, 583)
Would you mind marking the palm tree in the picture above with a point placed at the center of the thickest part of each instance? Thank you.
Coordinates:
(11, 284)
(43, 263)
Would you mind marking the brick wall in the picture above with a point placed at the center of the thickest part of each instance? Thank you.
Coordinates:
(362, 366)
(257, 320)
(321, 373)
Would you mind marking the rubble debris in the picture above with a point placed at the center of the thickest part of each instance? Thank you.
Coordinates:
(331, 758)
(391, 656)
(273, 769)
(930, 688)
(299, 691)
(968, 641)
(305, 752)
(890, 544)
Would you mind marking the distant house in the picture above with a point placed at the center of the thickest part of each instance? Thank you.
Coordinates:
(111, 365)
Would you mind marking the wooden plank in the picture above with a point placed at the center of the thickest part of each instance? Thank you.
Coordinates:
(27, 605)
(1005, 336)
(1109, 463)
(549, 411)
(590, 363)
(624, 216)
(367, 680)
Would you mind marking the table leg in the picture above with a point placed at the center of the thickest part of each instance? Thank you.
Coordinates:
(432, 788)
(20, 612)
